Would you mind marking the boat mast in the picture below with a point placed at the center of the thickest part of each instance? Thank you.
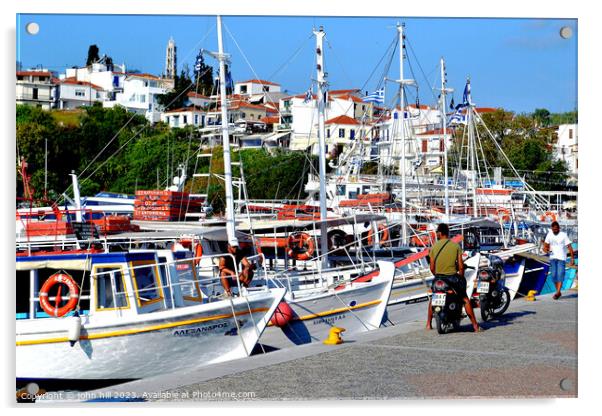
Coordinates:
(321, 81)
(403, 164)
(472, 149)
(222, 58)
(444, 91)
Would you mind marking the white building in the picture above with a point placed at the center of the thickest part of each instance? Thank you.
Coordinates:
(182, 117)
(37, 88)
(109, 78)
(301, 117)
(255, 87)
(566, 148)
(139, 95)
(198, 100)
(431, 145)
(73, 94)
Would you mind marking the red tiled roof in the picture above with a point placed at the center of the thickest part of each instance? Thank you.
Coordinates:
(258, 81)
(342, 120)
(485, 109)
(435, 132)
(34, 73)
(270, 120)
(143, 76)
(420, 106)
(74, 81)
(339, 92)
(349, 98)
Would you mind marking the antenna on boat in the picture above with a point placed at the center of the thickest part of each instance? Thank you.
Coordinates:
(321, 81)
(222, 58)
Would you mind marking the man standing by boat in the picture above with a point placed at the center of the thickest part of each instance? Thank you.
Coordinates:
(446, 263)
(557, 243)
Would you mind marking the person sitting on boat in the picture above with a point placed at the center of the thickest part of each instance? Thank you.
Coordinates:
(227, 269)
(446, 263)
(556, 243)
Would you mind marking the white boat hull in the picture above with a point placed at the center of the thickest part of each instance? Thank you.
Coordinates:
(157, 343)
(358, 307)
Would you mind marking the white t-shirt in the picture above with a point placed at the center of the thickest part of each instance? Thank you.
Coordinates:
(558, 243)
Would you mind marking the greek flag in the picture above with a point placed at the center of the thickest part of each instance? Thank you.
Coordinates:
(199, 62)
(308, 96)
(377, 96)
(458, 117)
(466, 95)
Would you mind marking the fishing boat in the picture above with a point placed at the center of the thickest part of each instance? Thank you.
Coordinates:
(125, 315)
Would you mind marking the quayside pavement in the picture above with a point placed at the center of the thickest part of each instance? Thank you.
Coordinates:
(531, 351)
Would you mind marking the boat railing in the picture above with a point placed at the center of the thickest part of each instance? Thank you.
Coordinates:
(204, 282)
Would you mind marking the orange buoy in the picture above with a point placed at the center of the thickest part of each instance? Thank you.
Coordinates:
(301, 246)
(282, 315)
(383, 234)
(58, 279)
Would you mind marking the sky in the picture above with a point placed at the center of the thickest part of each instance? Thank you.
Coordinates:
(515, 64)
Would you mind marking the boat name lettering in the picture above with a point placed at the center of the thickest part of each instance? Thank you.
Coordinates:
(329, 320)
(195, 332)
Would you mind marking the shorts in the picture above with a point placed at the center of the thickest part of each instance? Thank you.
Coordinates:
(458, 283)
(557, 270)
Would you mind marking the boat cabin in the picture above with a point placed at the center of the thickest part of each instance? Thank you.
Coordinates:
(115, 284)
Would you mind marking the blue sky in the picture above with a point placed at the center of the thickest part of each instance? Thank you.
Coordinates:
(517, 64)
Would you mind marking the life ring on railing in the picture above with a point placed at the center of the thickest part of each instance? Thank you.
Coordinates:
(504, 215)
(301, 246)
(197, 253)
(58, 279)
(383, 235)
(549, 214)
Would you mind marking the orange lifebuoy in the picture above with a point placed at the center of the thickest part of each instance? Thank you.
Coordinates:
(503, 214)
(549, 214)
(58, 279)
(383, 234)
(301, 246)
(198, 253)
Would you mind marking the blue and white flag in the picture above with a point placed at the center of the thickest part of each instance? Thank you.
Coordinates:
(377, 96)
(308, 96)
(466, 95)
(459, 117)
(199, 62)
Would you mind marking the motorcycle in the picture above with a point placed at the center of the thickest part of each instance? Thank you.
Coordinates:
(447, 306)
(490, 294)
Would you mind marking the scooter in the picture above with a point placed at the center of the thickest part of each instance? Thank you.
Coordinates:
(490, 294)
(447, 306)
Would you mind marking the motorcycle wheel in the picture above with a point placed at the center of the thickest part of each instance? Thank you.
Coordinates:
(503, 305)
(456, 325)
(441, 327)
(485, 311)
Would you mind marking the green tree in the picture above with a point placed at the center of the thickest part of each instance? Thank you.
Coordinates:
(541, 117)
(177, 96)
(92, 55)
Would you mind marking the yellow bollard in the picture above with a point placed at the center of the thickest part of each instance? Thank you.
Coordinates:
(531, 295)
(334, 336)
